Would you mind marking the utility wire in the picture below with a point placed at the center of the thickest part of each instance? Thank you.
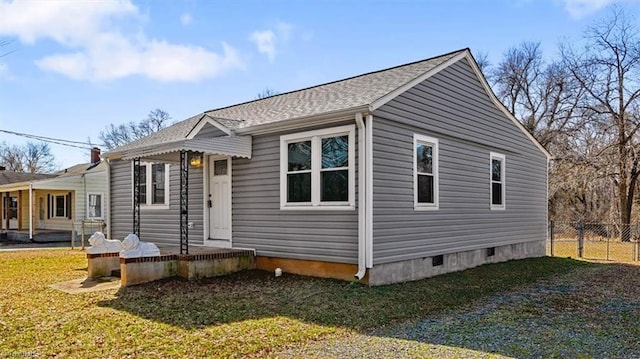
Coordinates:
(57, 141)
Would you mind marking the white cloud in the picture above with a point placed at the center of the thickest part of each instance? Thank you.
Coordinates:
(265, 42)
(105, 42)
(66, 22)
(186, 19)
(578, 9)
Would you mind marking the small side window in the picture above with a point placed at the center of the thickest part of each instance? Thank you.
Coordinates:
(425, 172)
(154, 185)
(497, 188)
(95, 206)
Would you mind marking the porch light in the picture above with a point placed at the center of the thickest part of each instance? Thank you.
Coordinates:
(195, 160)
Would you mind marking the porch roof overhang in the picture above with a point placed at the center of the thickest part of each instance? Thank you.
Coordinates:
(235, 146)
(11, 187)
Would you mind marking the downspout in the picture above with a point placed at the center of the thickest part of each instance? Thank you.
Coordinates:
(30, 211)
(362, 197)
(369, 188)
(108, 199)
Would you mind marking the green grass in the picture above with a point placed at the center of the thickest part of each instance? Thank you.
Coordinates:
(246, 314)
(595, 250)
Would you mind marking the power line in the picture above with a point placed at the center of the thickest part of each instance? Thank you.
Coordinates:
(57, 141)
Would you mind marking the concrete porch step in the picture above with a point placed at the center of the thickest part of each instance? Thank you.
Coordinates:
(203, 264)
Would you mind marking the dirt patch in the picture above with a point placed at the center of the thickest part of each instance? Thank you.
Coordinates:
(84, 285)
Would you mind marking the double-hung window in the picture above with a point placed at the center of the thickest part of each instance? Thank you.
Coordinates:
(95, 206)
(425, 172)
(154, 184)
(317, 169)
(59, 205)
(497, 178)
(59, 209)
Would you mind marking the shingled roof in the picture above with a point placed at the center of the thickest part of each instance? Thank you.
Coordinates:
(353, 92)
(7, 177)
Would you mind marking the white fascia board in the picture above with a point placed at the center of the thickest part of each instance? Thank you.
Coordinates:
(466, 54)
(204, 120)
(500, 105)
(404, 88)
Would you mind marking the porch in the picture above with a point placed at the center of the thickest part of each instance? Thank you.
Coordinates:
(41, 235)
(201, 262)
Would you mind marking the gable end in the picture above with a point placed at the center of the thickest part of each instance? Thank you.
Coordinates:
(485, 85)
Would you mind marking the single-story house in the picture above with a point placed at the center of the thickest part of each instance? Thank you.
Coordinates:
(389, 176)
(34, 204)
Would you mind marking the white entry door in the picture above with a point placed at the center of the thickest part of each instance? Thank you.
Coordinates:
(219, 201)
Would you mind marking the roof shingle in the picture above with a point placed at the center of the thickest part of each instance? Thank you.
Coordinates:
(339, 95)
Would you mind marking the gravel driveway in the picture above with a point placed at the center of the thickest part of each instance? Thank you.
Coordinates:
(590, 313)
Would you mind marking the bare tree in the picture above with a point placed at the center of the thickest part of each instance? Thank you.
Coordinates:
(542, 96)
(32, 157)
(267, 92)
(482, 59)
(608, 69)
(117, 135)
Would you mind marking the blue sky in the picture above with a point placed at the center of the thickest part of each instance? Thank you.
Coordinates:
(74, 67)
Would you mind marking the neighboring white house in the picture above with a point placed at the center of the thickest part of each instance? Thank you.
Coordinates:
(61, 201)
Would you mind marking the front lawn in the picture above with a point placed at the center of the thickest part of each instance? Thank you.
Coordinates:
(246, 314)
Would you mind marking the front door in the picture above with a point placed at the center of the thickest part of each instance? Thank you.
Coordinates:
(219, 201)
(13, 212)
(42, 212)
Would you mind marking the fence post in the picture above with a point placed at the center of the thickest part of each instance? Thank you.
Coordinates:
(635, 237)
(608, 239)
(551, 224)
(580, 238)
(73, 235)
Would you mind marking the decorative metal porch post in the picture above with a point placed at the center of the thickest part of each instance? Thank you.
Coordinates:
(136, 196)
(184, 202)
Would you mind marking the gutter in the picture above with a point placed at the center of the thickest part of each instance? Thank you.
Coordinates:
(108, 199)
(297, 123)
(369, 194)
(362, 197)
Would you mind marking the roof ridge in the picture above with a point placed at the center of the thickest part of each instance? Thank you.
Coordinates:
(336, 81)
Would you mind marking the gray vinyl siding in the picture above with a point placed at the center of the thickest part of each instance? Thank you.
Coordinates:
(453, 107)
(259, 223)
(156, 225)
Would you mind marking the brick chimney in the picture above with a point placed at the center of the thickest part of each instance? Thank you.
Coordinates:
(95, 155)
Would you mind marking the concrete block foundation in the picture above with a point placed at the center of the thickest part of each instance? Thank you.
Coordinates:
(419, 268)
(102, 264)
(195, 268)
(147, 269)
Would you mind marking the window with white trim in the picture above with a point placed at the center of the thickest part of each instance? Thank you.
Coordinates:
(95, 205)
(154, 184)
(498, 187)
(59, 206)
(317, 169)
(425, 172)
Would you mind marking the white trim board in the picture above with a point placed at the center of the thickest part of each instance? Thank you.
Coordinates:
(466, 54)
(203, 121)
(315, 137)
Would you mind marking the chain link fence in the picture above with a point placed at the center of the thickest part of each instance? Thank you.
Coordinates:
(600, 241)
